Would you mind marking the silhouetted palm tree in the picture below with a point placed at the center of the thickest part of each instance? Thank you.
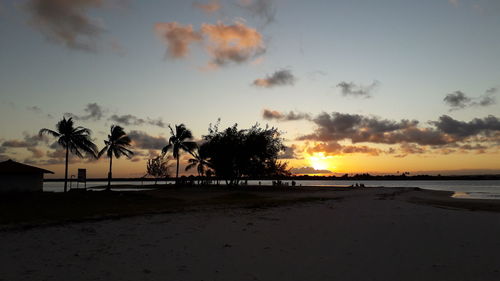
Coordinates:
(116, 144)
(74, 140)
(179, 140)
(200, 161)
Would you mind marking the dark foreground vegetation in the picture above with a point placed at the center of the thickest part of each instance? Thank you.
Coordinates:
(21, 210)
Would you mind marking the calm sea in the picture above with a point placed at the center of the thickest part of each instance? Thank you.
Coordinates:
(484, 189)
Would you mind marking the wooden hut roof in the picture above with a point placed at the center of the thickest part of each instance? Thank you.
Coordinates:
(13, 167)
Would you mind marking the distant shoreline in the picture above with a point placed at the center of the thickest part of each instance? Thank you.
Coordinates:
(312, 178)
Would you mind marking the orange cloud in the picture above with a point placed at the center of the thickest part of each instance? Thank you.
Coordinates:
(334, 148)
(232, 43)
(235, 43)
(177, 37)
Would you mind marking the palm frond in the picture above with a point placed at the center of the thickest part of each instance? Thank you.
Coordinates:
(189, 146)
(166, 148)
(190, 166)
(171, 130)
(103, 150)
(46, 131)
(81, 131)
(126, 152)
(74, 149)
(123, 140)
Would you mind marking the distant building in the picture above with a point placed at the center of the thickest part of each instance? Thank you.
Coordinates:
(15, 176)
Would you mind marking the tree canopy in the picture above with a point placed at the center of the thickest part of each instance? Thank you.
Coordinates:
(235, 153)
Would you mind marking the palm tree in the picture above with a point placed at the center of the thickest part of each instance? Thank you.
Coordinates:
(200, 161)
(74, 140)
(179, 140)
(116, 144)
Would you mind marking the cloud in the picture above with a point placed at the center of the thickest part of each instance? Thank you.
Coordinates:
(459, 100)
(141, 140)
(93, 112)
(309, 170)
(59, 153)
(290, 116)
(142, 155)
(27, 141)
(58, 156)
(67, 22)
(476, 147)
(492, 90)
(411, 148)
(334, 148)
(209, 8)
(339, 126)
(279, 78)
(38, 110)
(334, 131)
(157, 122)
(129, 119)
(358, 128)
(461, 129)
(454, 2)
(487, 99)
(15, 143)
(34, 109)
(177, 37)
(289, 152)
(235, 43)
(36, 153)
(225, 44)
(353, 90)
(262, 9)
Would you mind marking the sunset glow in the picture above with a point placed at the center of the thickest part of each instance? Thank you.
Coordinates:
(321, 162)
(249, 140)
(346, 99)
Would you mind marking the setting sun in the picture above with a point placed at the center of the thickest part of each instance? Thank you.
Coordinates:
(321, 162)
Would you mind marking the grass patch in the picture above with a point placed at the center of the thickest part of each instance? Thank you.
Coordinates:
(32, 209)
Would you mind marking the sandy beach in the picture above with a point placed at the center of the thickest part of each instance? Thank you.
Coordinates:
(365, 234)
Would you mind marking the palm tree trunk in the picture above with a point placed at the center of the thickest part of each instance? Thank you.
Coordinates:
(66, 171)
(177, 172)
(109, 174)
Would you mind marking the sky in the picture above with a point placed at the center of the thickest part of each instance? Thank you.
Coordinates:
(356, 86)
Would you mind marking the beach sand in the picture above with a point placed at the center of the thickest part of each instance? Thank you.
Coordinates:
(366, 234)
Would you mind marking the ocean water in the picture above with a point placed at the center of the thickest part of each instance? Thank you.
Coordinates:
(483, 189)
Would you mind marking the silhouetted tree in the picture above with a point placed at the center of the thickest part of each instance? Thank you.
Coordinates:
(200, 160)
(280, 169)
(253, 152)
(209, 174)
(158, 167)
(116, 144)
(179, 140)
(74, 140)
